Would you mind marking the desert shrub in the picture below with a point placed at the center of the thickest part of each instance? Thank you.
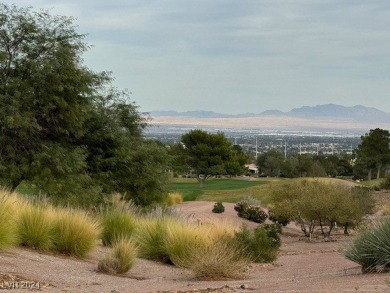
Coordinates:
(222, 260)
(218, 207)
(261, 244)
(35, 226)
(281, 218)
(371, 248)
(122, 258)
(173, 198)
(254, 214)
(116, 223)
(75, 233)
(311, 203)
(245, 203)
(385, 184)
(7, 219)
(150, 237)
(249, 208)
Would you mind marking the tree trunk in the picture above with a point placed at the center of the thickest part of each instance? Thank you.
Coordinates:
(201, 179)
(378, 174)
(346, 229)
(369, 174)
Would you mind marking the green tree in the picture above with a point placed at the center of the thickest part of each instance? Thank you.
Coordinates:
(178, 158)
(313, 203)
(211, 154)
(270, 163)
(374, 151)
(62, 126)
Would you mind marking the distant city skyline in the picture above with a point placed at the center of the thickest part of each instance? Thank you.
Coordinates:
(237, 56)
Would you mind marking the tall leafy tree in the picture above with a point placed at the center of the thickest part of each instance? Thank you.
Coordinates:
(62, 126)
(270, 163)
(374, 151)
(211, 154)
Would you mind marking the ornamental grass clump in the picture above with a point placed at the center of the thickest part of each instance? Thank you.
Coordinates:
(371, 248)
(75, 232)
(8, 213)
(182, 238)
(115, 224)
(221, 260)
(173, 198)
(150, 237)
(35, 226)
(124, 253)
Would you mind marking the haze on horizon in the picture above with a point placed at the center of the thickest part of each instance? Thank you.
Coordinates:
(238, 56)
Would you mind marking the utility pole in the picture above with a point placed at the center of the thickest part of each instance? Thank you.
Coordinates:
(285, 150)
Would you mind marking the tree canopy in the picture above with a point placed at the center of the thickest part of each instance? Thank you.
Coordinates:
(374, 151)
(212, 154)
(63, 127)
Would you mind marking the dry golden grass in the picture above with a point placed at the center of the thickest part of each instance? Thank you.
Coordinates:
(122, 259)
(174, 198)
(219, 261)
(8, 217)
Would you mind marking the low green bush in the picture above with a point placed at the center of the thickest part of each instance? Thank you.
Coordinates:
(371, 248)
(385, 184)
(218, 207)
(281, 219)
(261, 244)
(250, 209)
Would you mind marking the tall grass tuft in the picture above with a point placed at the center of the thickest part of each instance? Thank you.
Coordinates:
(222, 260)
(35, 226)
(75, 233)
(173, 198)
(8, 212)
(371, 248)
(182, 238)
(122, 258)
(116, 224)
(150, 237)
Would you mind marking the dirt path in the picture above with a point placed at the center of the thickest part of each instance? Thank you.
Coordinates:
(301, 267)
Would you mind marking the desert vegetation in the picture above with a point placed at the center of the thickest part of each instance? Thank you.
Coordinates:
(371, 247)
(68, 135)
(46, 228)
(315, 203)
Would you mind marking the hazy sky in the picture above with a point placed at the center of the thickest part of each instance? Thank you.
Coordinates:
(238, 56)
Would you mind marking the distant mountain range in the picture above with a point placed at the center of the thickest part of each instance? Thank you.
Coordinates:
(358, 113)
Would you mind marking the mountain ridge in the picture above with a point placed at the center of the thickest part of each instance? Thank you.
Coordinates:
(356, 113)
